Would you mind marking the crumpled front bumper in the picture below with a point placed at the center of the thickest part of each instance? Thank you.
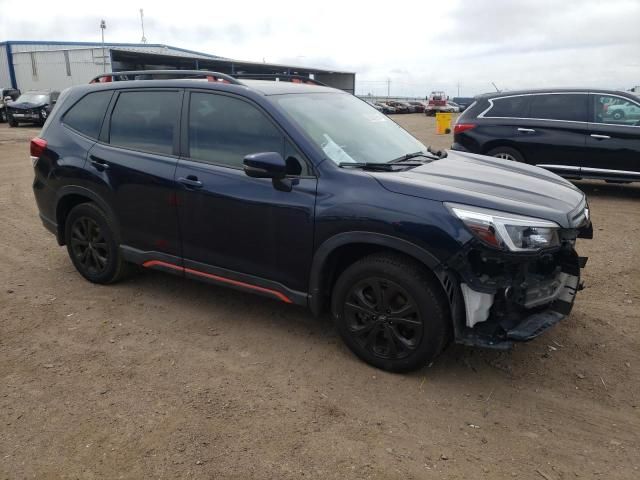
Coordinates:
(504, 298)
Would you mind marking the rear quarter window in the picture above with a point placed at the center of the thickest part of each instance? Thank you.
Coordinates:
(510, 107)
(87, 114)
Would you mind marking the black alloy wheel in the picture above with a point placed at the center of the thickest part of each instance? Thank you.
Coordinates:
(391, 312)
(89, 246)
(383, 318)
(92, 244)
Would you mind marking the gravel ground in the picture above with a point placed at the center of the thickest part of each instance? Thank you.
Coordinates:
(158, 377)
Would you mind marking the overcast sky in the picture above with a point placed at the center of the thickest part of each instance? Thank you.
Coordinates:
(419, 45)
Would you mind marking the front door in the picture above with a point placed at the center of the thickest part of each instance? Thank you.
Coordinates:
(614, 138)
(234, 228)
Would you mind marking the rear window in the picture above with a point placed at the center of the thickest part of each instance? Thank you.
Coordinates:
(87, 114)
(510, 107)
(145, 121)
(570, 107)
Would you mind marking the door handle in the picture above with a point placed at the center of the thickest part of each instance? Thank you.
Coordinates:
(526, 130)
(191, 181)
(600, 137)
(98, 162)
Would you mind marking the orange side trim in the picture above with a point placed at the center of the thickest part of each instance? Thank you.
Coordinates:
(160, 263)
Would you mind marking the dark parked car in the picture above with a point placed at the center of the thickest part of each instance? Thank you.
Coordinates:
(419, 107)
(575, 133)
(463, 102)
(7, 95)
(307, 195)
(31, 107)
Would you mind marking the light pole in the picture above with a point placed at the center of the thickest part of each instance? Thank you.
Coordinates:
(144, 39)
(103, 25)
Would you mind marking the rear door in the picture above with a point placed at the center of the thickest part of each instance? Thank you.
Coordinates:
(555, 134)
(614, 137)
(133, 167)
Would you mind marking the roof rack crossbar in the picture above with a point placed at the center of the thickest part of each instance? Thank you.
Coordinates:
(277, 76)
(149, 74)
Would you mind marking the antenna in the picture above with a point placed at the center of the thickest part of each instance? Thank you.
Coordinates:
(494, 86)
(144, 39)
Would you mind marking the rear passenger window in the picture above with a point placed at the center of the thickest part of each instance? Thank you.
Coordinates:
(146, 121)
(570, 107)
(510, 107)
(223, 130)
(87, 114)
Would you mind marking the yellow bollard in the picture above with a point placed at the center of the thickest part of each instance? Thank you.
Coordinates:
(443, 123)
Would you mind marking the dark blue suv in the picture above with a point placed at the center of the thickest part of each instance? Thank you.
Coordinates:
(308, 195)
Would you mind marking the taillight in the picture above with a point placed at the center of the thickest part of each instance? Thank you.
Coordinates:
(463, 127)
(38, 146)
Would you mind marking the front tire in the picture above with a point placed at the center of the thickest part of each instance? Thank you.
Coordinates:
(92, 245)
(506, 153)
(12, 122)
(3, 115)
(391, 312)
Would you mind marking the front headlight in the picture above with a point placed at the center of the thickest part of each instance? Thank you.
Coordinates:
(507, 231)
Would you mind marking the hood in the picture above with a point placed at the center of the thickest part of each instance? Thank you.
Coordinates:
(489, 182)
(26, 105)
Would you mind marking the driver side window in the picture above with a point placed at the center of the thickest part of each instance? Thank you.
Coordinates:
(223, 130)
(610, 109)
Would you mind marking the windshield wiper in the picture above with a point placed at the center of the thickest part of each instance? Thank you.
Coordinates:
(410, 156)
(435, 155)
(384, 167)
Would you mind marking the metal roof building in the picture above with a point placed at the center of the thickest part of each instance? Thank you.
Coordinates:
(45, 65)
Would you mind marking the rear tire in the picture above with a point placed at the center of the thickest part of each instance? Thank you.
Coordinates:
(506, 153)
(391, 312)
(92, 245)
(618, 115)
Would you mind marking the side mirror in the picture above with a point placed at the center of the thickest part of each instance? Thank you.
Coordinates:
(265, 165)
(7, 99)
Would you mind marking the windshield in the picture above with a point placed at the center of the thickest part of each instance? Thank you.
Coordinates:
(33, 98)
(348, 129)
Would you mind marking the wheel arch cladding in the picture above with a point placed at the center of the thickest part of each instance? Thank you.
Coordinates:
(341, 250)
(71, 196)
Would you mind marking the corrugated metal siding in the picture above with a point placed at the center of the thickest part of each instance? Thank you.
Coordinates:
(50, 72)
(160, 49)
(36, 47)
(5, 77)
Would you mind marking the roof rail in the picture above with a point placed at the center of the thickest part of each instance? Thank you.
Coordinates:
(149, 74)
(285, 77)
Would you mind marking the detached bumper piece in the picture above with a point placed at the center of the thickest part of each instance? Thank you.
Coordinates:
(506, 298)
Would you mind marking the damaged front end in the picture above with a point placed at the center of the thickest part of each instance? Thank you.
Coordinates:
(507, 296)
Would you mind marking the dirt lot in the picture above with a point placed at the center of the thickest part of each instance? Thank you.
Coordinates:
(159, 377)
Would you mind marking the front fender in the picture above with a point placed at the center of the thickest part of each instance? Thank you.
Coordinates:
(322, 254)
